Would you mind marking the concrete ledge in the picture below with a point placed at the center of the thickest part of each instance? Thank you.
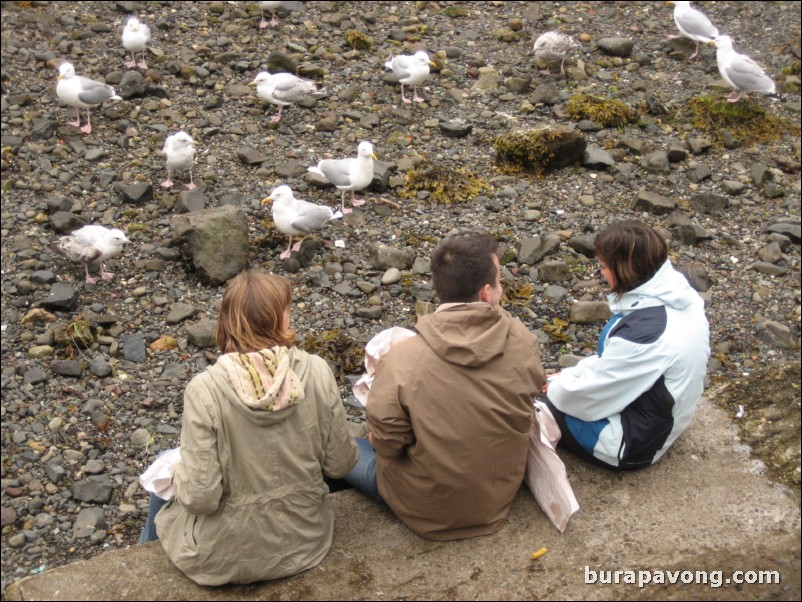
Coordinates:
(699, 509)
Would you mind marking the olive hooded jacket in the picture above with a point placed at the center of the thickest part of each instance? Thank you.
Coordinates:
(449, 414)
(259, 431)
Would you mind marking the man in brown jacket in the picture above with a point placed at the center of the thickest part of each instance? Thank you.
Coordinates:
(450, 410)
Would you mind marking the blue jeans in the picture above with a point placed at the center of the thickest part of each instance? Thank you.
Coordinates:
(363, 475)
(149, 530)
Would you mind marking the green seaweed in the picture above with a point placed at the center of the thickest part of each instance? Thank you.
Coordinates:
(746, 121)
(445, 185)
(358, 40)
(606, 112)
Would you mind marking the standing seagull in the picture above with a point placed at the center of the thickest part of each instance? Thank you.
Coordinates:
(180, 152)
(295, 217)
(349, 174)
(270, 5)
(82, 93)
(411, 71)
(91, 244)
(694, 25)
(741, 72)
(282, 89)
(552, 46)
(136, 36)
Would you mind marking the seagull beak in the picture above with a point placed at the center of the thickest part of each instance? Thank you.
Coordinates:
(267, 200)
(374, 156)
(251, 84)
(711, 43)
(432, 64)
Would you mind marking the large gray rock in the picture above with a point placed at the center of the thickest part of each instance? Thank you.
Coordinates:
(89, 520)
(97, 489)
(653, 203)
(202, 333)
(536, 248)
(585, 312)
(216, 242)
(383, 258)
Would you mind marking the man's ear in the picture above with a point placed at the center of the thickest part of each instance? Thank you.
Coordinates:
(484, 293)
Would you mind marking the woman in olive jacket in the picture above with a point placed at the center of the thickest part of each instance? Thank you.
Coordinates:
(260, 430)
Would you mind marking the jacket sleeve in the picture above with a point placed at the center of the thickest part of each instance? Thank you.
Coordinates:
(339, 449)
(599, 387)
(198, 478)
(388, 418)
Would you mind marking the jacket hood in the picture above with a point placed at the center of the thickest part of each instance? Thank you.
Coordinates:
(666, 287)
(467, 335)
(263, 384)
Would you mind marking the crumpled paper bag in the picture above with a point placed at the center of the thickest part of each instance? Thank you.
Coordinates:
(545, 472)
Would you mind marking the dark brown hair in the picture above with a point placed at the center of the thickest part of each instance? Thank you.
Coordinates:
(252, 313)
(461, 266)
(633, 251)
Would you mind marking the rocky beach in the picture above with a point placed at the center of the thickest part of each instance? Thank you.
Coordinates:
(93, 374)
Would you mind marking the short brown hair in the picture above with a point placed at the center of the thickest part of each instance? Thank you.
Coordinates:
(462, 265)
(633, 251)
(252, 313)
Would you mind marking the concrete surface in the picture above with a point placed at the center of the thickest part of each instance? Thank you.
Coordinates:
(700, 509)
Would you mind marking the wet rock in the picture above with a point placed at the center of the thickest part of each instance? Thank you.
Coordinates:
(775, 334)
(455, 128)
(656, 162)
(710, 203)
(792, 231)
(95, 489)
(137, 193)
(596, 157)
(134, 349)
(202, 333)
(553, 271)
(180, 312)
(697, 276)
(89, 520)
(67, 368)
(771, 253)
(584, 244)
(616, 46)
(653, 203)
(534, 249)
(62, 297)
(585, 312)
(191, 201)
(384, 257)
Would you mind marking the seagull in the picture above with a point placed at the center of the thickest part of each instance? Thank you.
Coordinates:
(411, 71)
(282, 89)
(295, 217)
(82, 93)
(552, 46)
(91, 244)
(349, 174)
(694, 25)
(741, 72)
(136, 36)
(180, 152)
(271, 6)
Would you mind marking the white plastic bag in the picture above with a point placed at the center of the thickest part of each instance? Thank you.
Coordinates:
(545, 471)
(158, 478)
(374, 350)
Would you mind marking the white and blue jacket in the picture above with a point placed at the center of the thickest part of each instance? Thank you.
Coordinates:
(628, 404)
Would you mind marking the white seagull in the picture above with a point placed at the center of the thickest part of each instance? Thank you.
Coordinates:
(282, 89)
(82, 93)
(295, 217)
(553, 46)
(411, 71)
(270, 5)
(136, 36)
(741, 72)
(349, 174)
(179, 149)
(91, 244)
(694, 25)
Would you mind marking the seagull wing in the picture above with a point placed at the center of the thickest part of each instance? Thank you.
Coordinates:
(291, 89)
(337, 171)
(309, 217)
(745, 74)
(92, 92)
(696, 25)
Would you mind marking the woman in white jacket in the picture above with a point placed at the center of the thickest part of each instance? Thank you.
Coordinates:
(625, 406)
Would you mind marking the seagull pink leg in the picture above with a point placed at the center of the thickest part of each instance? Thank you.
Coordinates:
(77, 122)
(355, 201)
(695, 54)
(87, 129)
(404, 98)
(191, 185)
(276, 118)
(89, 279)
(345, 209)
(142, 64)
(104, 274)
(288, 252)
(168, 183)
(415, 96)
(131, 64)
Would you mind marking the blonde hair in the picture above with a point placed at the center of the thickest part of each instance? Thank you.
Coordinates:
(252, 313)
